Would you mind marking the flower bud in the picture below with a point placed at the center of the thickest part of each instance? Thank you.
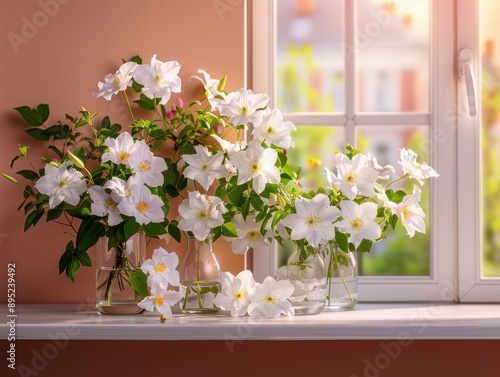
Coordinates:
(170, 116)
(222, 84)
(180, 103)
(12, 179)
(79, 163)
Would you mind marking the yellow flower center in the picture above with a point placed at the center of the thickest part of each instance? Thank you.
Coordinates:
(238, 295)
(244, 110)
(256, 167)
(62, 183)
(312, 221)
(202, 215)
(351, 178)
(159, 300)
(142, 207)
(252, 235)
(270, 130)
(157, 79)
(123, 156)
(145, 165)
(110, 203)
(117, 82)
(271, 299)
(204, 166)
(160, 267)
(405, 212)
(357, 223)
(313, 162)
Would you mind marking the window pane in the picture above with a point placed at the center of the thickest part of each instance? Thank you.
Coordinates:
(397, 255)
(490, 90)
(314, 150)
(392, 49)
(309, 61)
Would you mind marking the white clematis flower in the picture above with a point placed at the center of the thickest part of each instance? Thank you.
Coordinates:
(411, 214)
(117, 82)
(120, 187)
(161, 300)
(274, 130)
(355, 176)
(105, 204)
(256, 164)
(200, 213)
(359, 221)
(313, 219)
(235, 293)
(408, 161)
(211, 88)
(162, 268)
(248, 234)
(61, 184)
(143, 206)
(384, 172)
(120, 149)
(159, 79)
(146, 167)
(204, 167)
(270, 299)
(243, 106)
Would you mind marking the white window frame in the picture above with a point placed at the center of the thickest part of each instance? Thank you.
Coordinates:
(472, 287)
(441, 285)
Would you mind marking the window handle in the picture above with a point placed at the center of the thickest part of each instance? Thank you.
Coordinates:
(466, 71)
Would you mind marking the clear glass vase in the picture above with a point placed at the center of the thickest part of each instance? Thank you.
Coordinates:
(306, 271)
(341, 279)
(114, 294)
(200, 277)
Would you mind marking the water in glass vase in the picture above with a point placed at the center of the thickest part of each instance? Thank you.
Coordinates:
(198, 296)
(114, 294)
(342, 295)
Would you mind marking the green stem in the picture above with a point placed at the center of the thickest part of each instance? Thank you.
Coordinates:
(398, 179)
(128, 105)
(341, 274)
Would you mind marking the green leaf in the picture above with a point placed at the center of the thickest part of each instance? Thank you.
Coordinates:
(171, 191)
(83, 257)
(342, 241)
(174, 230)
(72, 267)
(147, 103)
(38, 134)
(398, 196)
(66, 257)
(53, 214)
(229, 230)
(154, 229)
(365, 246)
(393, 220)
(34, 117)
(33, 218)
(130, 228)
(245, 208)
(89, 232)
(138, 280)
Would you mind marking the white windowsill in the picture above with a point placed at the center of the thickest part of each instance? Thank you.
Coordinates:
(366, 322)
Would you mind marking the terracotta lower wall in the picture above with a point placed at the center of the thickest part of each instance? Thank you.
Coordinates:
(55, 52)
(256, 358)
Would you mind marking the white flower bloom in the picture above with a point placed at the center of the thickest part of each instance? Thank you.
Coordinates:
(355, 176)
(411, 214)
(228, 147)
(120, 149)
(211, 88)
(256, 164)
(120, 187)
(162, 268)
(204, 167)
(243, 106)
(105, 204)
(270, 299)
(117, 82)
(384, 172)
(143, 206)
(381, 195)
(310, 291)
(61, 184)
(313, 219)
(235, 293)
(146, 167)
(248, 234)
(408, 161)
(359, 221)
(273, 130)
(161, 300)
(333, 180)
(200, 213)
(159, 79)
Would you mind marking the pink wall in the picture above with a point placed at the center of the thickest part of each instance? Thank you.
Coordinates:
(55, 52)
